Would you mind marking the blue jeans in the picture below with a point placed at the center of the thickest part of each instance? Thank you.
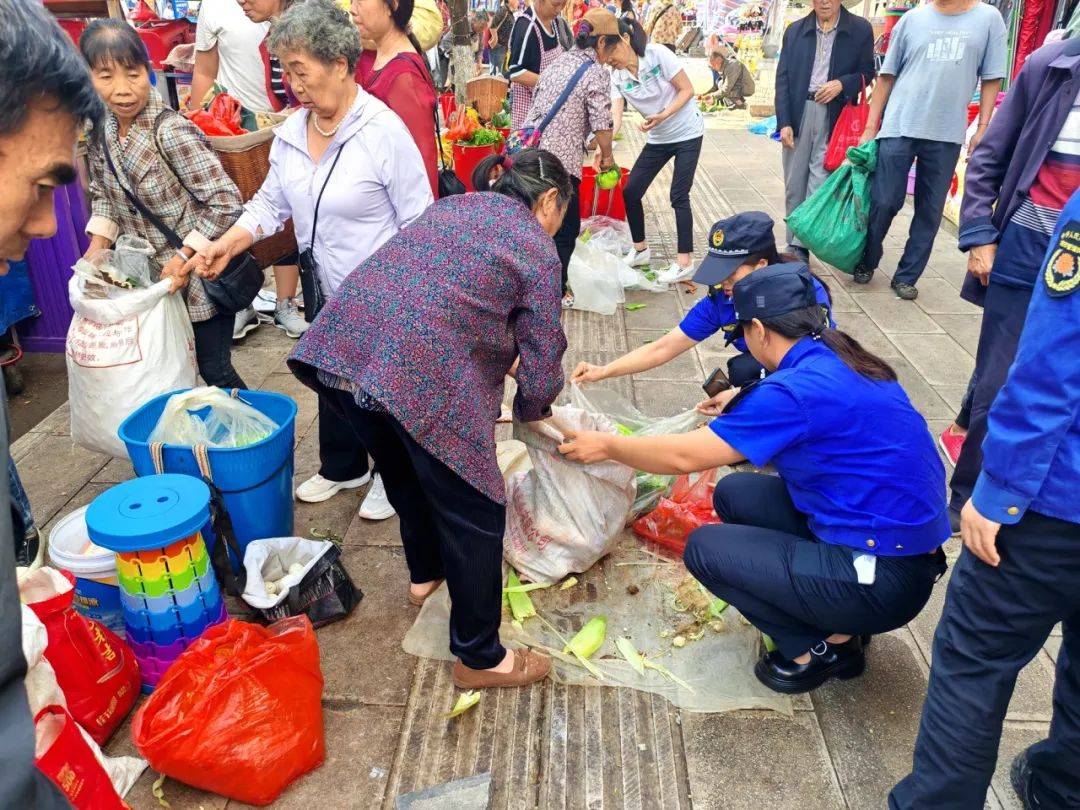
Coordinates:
(20, 503)
(933, 176)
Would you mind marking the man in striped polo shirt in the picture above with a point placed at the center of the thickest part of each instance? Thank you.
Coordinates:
(1017, 182)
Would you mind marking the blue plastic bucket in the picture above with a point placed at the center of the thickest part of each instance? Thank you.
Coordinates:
(256, 480)
(96, 593)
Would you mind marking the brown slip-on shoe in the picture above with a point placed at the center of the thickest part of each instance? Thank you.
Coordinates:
(529, 667)
(418, 601)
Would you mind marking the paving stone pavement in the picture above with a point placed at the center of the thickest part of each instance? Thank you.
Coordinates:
(554, 746)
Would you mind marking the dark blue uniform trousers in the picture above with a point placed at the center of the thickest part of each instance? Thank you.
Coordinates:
(994, 622)
(888, 188)
(788, 584)
(448, 529)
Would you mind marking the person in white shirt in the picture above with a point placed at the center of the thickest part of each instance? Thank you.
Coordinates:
(379, 187)
(652, 80)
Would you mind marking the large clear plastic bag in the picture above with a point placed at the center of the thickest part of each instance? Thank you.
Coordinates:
(612, 236)
(211, 417)
(629, 421)
(596, 277)
(563, 516)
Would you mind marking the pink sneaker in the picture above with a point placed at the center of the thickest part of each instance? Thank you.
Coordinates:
(952, 443)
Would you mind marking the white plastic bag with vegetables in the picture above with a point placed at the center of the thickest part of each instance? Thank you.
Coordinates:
(211, 417)
(563, 516)
(124, 347)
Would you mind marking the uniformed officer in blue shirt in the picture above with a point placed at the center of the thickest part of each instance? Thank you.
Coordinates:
(846, 542)
(1019, 572)
(737, 247)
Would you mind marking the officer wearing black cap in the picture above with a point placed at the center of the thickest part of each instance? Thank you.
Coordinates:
(737, 247)
(846, 541)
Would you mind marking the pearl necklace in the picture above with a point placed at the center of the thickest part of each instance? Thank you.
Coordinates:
(333, 130)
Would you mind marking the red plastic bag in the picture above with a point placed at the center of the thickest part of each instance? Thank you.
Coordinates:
(848, 131)
(226, 109)
(95, 668)
(210, 125)
(689, 507)
(62, 754)
(239, 712)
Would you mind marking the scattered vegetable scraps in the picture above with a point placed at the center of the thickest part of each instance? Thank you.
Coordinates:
(640, 663)
(635, 307)
(521, 606)
(158, 792)
(465, 702)
(589, 638)
(570, 583)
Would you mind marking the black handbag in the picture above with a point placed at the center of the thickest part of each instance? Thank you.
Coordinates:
(449, 183)
(236, 287)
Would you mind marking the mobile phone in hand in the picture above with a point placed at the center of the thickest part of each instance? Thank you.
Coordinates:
(716, 383)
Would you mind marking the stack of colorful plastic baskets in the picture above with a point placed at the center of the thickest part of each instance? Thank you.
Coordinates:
(167, 585)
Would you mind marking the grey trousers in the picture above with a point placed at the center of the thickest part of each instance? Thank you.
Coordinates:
(804, 166)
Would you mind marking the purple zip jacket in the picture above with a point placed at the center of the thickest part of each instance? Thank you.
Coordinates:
(429, 325)
(1016, 143)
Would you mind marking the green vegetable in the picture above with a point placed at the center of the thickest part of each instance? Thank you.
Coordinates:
(635, 307)
(501, 120)
(623, 430)
(770, 645)
(607, 180)
(485, 136)
(628, 651)
(589, 638)
(521, 606)
(716, 607)
(465, 702)
(532, 586)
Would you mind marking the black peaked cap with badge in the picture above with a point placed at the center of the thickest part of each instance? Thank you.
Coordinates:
(731, 240)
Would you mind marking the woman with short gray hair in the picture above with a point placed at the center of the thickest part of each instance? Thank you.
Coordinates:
(342, 213)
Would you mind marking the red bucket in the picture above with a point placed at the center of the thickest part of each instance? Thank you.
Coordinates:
(467, 158)
(594, 201)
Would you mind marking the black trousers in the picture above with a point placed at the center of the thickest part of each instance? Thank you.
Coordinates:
(791, 586)
(652, 159)
(342, 455)
(994, 622)
(1004, 312)
(743, 369)
(213, 351)
(566, 237)
(448, 528)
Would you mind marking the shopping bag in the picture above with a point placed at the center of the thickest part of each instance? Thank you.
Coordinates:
(290, 576)
(562, 516)
(239, 712)
(848, 131)
(629, 421)
(831, 223)
(124, 347)
(689, 507)
(95, 668)
(43, 692)
(66, 758)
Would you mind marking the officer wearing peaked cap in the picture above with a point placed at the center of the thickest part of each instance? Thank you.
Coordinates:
(846, 541)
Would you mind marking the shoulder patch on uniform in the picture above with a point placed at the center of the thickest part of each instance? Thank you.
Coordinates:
(1062, 271)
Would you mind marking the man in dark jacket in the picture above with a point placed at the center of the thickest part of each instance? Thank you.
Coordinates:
(1018, 179)
(45, 96)
(825, 59)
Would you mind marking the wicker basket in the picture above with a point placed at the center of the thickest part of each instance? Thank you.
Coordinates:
(246, 159)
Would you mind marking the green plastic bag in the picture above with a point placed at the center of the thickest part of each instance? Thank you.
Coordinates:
(831, 223)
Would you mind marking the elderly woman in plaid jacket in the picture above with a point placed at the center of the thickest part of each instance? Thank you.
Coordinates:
(167, 163)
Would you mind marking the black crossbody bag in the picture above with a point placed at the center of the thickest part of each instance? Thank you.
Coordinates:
(236, 287)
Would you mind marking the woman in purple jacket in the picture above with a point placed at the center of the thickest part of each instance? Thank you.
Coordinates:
(413, 351)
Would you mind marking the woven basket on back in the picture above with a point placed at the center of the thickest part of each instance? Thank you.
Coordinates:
(246, 159)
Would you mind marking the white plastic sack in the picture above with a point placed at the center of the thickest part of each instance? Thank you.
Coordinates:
(563, 516)
(229, 422)
(282, 562)
(122, 351)
(596, 279)
(612, 236)
(43, 690)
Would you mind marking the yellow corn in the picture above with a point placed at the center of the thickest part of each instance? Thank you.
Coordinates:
(464, 702)
(570, 583)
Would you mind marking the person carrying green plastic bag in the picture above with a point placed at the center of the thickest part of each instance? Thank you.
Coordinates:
(832, 222)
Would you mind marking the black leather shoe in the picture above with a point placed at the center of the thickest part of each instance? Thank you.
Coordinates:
(1020, 776)
(862, 275)
(827, 661)
(27, 551)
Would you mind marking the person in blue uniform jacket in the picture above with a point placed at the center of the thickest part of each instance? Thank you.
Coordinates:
(1019, 572)
(737, 247)
(846, 541)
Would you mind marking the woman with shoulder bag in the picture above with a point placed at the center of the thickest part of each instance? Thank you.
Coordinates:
(345, 168)
(165, 163)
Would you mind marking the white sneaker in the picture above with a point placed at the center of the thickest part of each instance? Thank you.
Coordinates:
(318, 489)
(266, 302)
(676, 273)
(376, 506)
(288, 318)
(639, 258)
(247, 321)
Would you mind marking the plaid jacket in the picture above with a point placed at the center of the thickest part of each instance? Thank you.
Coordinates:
(199, 202)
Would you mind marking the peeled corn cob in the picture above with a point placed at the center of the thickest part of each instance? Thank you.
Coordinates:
(589, 638)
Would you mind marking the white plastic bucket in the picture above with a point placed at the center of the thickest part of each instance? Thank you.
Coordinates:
(96, 593)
